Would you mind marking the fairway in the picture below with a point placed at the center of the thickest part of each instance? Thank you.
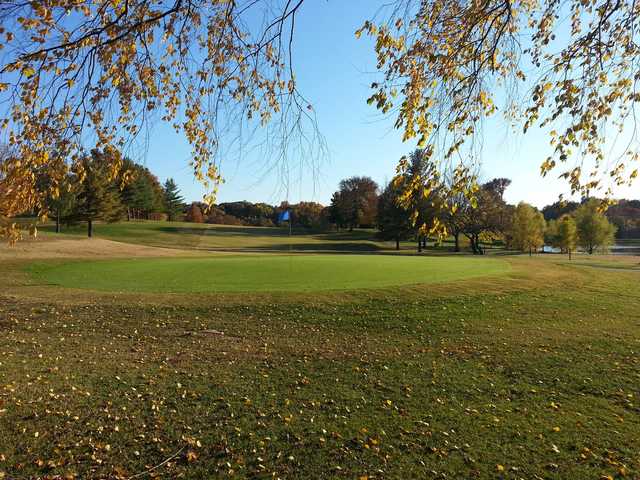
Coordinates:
(263, 273)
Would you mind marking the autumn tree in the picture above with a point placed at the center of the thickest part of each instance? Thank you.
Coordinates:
(527, 228)
(559, 209)
(194, 213)
(625, 215)
(71, 70)
(173, 201)
(307, 214)
(446, 63)
(60, 203)
(593, 228)
(355, 203)
(567, 234)
(483, 218)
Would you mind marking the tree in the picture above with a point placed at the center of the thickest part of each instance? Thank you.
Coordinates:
(559, 209)
(194, 214)
(420, 185)
(112, 64)
(445, 66)
(307, 214)
(483, 218)
(499, 185)
(173, 201)
(527, 228)
(594, 230)
(444, 63)
(625, 215)
(355, 203)
(394, 221)
(567, 234)
(63, 204)
(142, 193)
(98, 197)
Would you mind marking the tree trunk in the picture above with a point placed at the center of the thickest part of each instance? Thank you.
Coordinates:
(89, 228)
(529, 251)
(397, 243)
(58, 221)
(419, 245)
(475, 245)
(569, 254)
(456, 237)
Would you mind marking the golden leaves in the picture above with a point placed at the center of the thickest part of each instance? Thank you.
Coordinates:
(28, 71)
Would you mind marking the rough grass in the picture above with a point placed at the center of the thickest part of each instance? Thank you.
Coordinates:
(256, 273)
(532, 374)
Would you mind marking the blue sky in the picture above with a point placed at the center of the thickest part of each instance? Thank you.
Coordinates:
(334, 71)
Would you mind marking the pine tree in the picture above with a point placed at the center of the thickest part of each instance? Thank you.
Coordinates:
(173, 201)
(98, 197)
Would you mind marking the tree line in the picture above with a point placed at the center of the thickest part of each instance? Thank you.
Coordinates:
(89, 194)
(479, 214)
(483, 216)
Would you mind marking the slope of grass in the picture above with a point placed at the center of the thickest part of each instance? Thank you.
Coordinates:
(228, 237)
(251, 273)
(531, 374)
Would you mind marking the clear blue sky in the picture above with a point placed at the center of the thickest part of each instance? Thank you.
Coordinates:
(334, 71)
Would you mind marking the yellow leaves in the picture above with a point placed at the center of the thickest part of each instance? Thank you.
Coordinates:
(191, 456)
(499, 468)
(28, 71)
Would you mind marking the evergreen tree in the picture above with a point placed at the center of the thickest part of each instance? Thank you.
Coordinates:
(98, 197)
(394, 222)
(142, 193)
(173, 201)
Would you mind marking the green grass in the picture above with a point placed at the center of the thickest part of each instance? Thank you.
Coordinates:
(258, 273)
(533, 373)
(184, 235)
(229, 237)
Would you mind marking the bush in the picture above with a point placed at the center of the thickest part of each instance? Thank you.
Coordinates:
(194, 214)
(218, 217)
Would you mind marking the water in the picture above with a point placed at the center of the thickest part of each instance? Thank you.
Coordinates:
(619, 249)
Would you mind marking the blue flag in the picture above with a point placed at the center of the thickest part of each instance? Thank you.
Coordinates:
(284, 216)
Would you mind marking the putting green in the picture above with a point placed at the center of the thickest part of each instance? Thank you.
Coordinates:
(262, 273)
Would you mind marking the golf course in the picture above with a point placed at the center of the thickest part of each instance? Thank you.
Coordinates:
(263, 273)
(192, 354)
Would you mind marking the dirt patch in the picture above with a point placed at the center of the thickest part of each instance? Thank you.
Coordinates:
(52, 247)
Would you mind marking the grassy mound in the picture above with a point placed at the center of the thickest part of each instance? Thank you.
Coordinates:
(261, 273)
